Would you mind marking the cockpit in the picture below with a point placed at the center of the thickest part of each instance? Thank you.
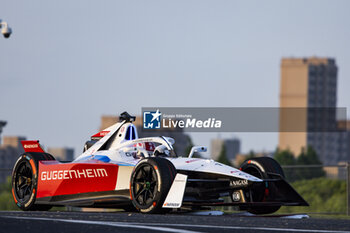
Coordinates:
(123, 138)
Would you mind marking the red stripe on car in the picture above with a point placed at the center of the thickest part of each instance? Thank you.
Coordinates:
(73, 178)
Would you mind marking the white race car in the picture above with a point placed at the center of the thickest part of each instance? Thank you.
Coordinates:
(120, 170)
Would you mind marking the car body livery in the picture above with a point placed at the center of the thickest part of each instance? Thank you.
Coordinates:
(119, 170)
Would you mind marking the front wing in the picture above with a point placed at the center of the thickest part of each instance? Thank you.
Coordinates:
(206, 192)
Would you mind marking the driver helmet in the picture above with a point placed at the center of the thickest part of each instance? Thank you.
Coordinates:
(161, 151)
(148, 146)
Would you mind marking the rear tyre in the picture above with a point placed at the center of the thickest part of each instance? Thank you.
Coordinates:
(25, 180)
(263, 168)
(150, 184)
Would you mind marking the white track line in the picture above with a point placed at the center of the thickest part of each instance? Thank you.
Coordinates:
(154, 226)
(246, 228)
(114, 224)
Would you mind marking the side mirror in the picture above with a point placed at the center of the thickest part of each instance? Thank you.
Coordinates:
(197, 149)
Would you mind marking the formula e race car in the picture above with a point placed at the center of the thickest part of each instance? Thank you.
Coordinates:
(119, 170)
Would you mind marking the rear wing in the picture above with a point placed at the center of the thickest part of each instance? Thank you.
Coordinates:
(32, 146)
(99, 135)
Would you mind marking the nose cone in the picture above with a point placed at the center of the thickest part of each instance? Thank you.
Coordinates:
(210, 166)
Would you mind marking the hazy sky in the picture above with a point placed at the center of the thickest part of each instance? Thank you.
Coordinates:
(69, 62)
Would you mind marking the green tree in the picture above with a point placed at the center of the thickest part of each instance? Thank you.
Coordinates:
(286, 157)
(222, 156)
(251, 155)
(324, 196)
(309, 158)
(6, 199)
(188, 149)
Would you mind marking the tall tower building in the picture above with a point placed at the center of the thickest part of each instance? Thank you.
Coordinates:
(2, 125)
(309, 83)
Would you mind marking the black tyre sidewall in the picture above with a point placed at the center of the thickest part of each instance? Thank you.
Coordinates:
(165, 173)
(29, 204)
(32, 159)
(265, 165)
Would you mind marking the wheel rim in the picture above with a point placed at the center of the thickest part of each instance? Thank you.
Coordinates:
(24, 181)
(145, 185)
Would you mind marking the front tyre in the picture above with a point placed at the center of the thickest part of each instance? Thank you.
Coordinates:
(150, 183)
(263, 168)
(25, 180)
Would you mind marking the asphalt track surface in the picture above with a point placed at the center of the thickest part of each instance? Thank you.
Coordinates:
(69, 222)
